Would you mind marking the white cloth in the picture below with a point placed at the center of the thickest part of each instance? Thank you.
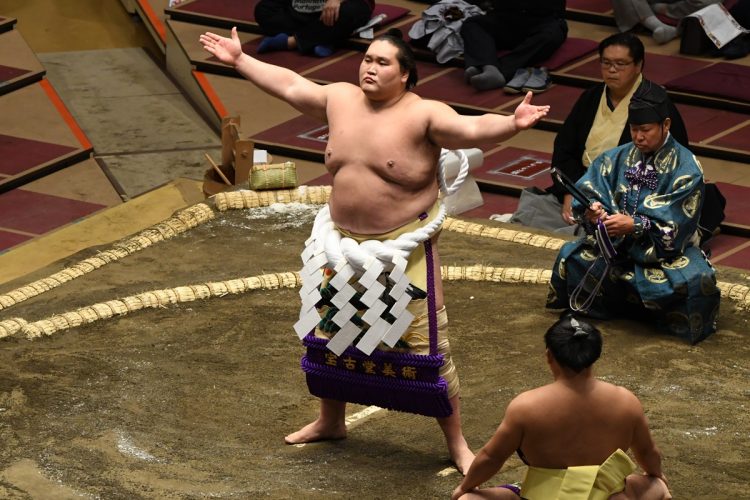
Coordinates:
(719, 24)
(368, 30)
(445, 30)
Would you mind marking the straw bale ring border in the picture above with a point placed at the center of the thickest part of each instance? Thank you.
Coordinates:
(196, 215)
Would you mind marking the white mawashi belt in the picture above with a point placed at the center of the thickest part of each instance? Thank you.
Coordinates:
(364, 262)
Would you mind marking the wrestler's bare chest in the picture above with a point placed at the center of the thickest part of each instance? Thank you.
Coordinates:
(392, 142)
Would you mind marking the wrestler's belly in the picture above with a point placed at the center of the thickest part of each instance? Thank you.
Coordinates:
(369, 209)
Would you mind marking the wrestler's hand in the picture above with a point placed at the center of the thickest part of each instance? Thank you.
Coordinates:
(526, 114)
(226, 50)
(330, 13)
(458, 493)
(595, 212)
(619, 224)
(567, 210)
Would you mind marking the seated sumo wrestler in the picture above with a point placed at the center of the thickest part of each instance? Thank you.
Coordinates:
(572, 433)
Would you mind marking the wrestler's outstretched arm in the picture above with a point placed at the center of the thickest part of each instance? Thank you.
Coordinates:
(451, 130)
(306, 96)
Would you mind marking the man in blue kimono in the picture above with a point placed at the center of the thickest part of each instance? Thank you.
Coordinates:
(646, 199)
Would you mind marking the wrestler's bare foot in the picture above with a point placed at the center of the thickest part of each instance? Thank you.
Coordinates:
(317, 431)
(461, 456)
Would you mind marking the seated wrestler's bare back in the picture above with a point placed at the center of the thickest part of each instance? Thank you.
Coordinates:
(382, 162)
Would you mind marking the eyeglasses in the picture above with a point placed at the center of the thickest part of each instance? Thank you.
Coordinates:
(618, 65)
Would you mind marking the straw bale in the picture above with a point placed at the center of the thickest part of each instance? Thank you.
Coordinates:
(200, 291)
(103, 311)
(11, 326)
(73, 318)
(32, 331)
(217, 289)
(184, 294)
(88, 314)
(235, 286)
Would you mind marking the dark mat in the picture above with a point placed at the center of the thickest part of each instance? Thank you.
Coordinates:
(494, 203)
(725, 80)
(572, 50)
(658, 68)
(346, 69)
(590, 11)
(8, 239)
(223, 9)
(291, 59)
(703, 123)
(301, 134)
(226, 11)
(23, 159)
(737, 210)
(9, 73)
(451, 88)
(560, 99)
(739, 259)
(38, 213)
(18, 155)
(19, 65)
(723, 243)
(514, 168)
(596, 6)
(739, 140)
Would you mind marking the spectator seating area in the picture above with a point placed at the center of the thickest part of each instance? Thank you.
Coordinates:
(713, 96)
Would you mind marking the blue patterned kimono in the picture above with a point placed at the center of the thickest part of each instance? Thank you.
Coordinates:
(659, 274)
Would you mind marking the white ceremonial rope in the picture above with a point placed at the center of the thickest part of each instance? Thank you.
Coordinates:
(340, 248)
(462, 172)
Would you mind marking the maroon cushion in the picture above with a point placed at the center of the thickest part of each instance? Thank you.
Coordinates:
(8, 73)
(658, 68)
(291, 59)
(671, 21)
(598, 6)
(704, 122)
(571, 50)
(302, 133)
(737, 210)
(346, 69)
(738, 140)
(245, 10)
(230, 9)
(18, 154)
(727, 80)
(392, 12)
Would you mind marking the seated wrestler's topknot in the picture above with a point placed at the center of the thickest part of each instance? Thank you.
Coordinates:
(574, 343)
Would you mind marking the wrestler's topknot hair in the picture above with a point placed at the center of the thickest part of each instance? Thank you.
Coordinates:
(574, 343)
(405, 56)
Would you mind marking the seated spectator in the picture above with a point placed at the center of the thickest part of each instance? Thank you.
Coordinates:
(597, 122)
(532, 30)
(309, 26)
(572, 433)
(647, 194)
(629, 13)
